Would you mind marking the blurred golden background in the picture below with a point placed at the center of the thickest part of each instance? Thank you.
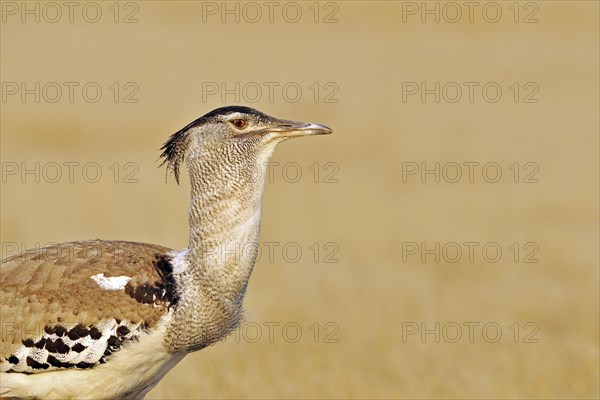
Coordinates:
(354, 315)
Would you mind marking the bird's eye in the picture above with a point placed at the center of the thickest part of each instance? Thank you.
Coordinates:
(239, 123)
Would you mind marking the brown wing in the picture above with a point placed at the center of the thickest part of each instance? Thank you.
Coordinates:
(48, 297)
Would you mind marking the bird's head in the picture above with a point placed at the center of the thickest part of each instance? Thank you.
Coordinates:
(235, 135)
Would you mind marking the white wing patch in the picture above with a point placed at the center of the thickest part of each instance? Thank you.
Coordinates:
(110, 282)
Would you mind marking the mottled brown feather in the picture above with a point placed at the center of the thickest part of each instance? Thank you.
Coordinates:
(52, 286)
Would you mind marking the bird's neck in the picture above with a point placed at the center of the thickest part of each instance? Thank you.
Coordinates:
(224, 222)
(224, 219)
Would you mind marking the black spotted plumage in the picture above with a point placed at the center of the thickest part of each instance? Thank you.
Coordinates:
(80, 347)
(57, 346)
(54, 362)
(77, 332)
(35, 364)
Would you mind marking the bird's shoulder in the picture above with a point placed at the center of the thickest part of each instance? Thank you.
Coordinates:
(73, 304)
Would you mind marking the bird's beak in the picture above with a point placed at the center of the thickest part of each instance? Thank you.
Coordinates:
(294, 129)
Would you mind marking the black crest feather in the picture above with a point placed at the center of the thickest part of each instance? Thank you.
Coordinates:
(174, 150)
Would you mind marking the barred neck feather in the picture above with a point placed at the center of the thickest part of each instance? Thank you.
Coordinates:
(225, 211)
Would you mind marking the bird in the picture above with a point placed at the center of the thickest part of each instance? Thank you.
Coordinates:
(108, 319)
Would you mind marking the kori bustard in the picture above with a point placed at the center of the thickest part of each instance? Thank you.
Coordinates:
(108, 319)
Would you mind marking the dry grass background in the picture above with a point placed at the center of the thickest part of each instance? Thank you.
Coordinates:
(369, 213)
